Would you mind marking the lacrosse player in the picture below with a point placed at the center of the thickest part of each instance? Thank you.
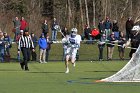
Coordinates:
(72, 42)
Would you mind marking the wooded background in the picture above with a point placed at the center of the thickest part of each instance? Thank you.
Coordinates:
(70, 13)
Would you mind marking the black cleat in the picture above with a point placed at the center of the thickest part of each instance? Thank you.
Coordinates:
(26, 69)
(22, 66)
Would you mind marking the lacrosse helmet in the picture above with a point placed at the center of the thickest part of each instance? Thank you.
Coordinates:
(74, 31)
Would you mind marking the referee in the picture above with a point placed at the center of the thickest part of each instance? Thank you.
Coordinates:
(24, 45)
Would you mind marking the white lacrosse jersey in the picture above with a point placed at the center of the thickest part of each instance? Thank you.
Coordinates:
(73, 45)
(74, 41)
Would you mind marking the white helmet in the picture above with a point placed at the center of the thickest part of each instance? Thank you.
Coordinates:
(136, 28)
(74, 30)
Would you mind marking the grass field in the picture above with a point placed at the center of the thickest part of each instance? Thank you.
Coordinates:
(50, 78)
(86, 52)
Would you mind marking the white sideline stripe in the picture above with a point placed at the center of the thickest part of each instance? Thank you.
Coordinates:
(57, 42)
(135, 80)
(125, 81)
(95, 40)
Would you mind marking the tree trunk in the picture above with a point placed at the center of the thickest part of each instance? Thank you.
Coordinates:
(81, 12)
(94, 20)
(106, 8)
(131, 6)
(87, 17)
(69, 14)
(116, 15)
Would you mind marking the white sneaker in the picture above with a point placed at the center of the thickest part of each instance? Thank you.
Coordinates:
(74, 64)
(45, 62)
(67, 71)
(40, 61)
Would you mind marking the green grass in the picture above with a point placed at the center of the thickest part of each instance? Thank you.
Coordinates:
(50, 78)
(86, 52)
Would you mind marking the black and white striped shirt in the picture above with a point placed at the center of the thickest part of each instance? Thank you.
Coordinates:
(25, 42)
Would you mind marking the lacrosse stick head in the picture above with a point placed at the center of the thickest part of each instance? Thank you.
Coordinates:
(136, 28)
(57, 27)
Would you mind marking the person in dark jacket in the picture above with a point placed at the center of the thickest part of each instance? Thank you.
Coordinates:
(115, 29)
(87, 34)
(35, 42)
(8, 42)
(129, 25)
(2, 45)
(54, 29)
(121, 42)
(49, 42)
(101, 45)
(108, 27)
(8, 45)
(65, 31)
(110, 46)
(45, 28)
(17, 25)
(101, 27)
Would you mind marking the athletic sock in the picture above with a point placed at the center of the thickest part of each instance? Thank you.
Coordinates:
(67, 70)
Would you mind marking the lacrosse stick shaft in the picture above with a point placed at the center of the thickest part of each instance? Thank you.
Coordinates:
(62, 34)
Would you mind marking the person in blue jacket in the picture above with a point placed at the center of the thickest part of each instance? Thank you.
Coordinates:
(2, 45)
(42, 42)
(8, 43)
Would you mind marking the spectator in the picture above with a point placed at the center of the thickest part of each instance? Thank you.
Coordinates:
(17, 41)
(35, 42)
(101, 27)
(16, 27)
(35, 39)
(101, 45)
(42, 42)
(8, 43)
(87, 34)
(49, 42)
(110, 46)
(115, 29)
(54, 29)
(2, 45)
(129, 25)
(95, 33)
(121, 42)
(65, 31)
(108, 27)
(45, 28)
(24, 45)
(24, 24)
(21, 34)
